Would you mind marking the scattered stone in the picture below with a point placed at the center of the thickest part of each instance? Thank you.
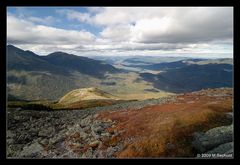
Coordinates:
(105, 134)
(86, 121)
(87, 128)
(88, 153)
(33, 132)
(94, 144)
(23, 139)
(47, 132)
(41, 134)
(110, 151)
(95, 135)
(10, 134)
(34, 150)
(83, 135)
(44, 142)
(96, 115)
(97, 129)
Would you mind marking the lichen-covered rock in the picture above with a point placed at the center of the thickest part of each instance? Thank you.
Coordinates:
(86, 121)
(213, 138)
(229, 116)
(34, 150)
(226, 148)
(47, 132)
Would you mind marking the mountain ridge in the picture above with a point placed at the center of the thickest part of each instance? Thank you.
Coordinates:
(33, 77)
(57, 60)
(192, 78)
(81, 94)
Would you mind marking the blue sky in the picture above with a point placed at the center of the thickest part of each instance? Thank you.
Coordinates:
(120, 31)
(60, 22)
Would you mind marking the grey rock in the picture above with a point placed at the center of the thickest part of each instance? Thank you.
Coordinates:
(99, 154)
(212, 138)
(34, 150)
(88, 153)
(28, 128)
(44, 142)
(23, 139)
(10, 134)
(105, 134)
(56, 139)
(33, 132)
(226, 148)
(87, 128)
(230, 151)
(229, 116)
(47, 132)
(97, 128)
(95, 135)
(94, 144)
(83, 135)
(95, 115)
(110, 151)
(107, 125)
(86, 121)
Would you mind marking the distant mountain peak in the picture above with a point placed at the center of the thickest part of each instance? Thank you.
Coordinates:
(11, 46)
(23, 52)
(58, 53)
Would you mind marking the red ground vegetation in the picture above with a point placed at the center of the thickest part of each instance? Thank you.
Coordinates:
(166, 130)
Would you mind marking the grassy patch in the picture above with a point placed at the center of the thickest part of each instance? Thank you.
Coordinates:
(176, 141)
(86, 104)
(51, 105)
(128, 86)
(25, 105)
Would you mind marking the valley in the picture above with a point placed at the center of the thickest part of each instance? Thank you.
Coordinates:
(67, 106)
(119, 82)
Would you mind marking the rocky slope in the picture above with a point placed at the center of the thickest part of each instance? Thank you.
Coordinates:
(217, 140)
(72, 134)
(149, 128)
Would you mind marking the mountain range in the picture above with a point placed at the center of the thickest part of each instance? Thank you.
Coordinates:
(34, 77)
(57, 62)
(192, 77)
(31, 76)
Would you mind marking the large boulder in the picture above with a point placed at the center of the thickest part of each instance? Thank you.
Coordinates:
(229, 116)
(213, 138)
(226, 148)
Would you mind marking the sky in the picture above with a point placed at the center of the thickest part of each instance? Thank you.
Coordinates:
(118, 31)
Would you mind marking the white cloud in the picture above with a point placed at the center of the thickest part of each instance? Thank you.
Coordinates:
(74, 15)
(116, 33)
(161, 24)
(133, 30)
(24, 32)
(49, 20)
